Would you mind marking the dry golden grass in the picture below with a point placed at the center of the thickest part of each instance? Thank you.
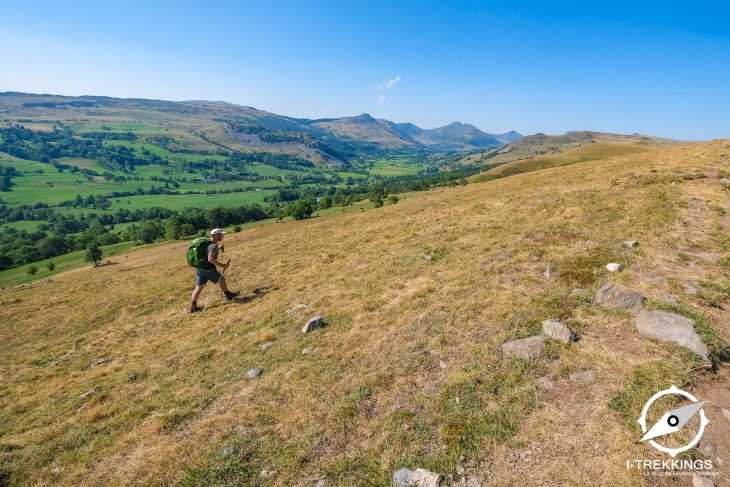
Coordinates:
(173, 405)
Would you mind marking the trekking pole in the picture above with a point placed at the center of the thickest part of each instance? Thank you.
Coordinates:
(210, 296)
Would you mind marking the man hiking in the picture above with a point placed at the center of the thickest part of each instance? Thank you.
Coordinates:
(205, 269)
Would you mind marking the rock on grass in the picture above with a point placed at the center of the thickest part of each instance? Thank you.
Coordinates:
(620, 297)
(526, 348)
(671, 327)
(313, 324)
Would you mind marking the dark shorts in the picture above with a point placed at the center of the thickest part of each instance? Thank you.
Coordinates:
(202, 276)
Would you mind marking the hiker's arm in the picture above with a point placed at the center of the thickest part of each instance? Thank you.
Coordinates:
(216, 263)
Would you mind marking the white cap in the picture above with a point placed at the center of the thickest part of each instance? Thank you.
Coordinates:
(216, 231)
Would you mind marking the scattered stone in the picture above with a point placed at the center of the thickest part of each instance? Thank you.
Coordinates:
(671, 327)
(430, 255)
(313, 324)
(546, 383)
(577, 292)
(99, 362)
(585, 376)
(402, 478)
(613, 267)
(667, 298)
(694, 266)
(132, 377)
(698, 481)
(631, 243)
(655, 280)
(253, 373)
(707, 256)
(725, 180)
(320, 483)
(305, 351)
(221, 331)
(267, 474)
(549, 271)
(295, 308)
(591, 244)
(57, 470)
(424, 478)
(459, 470)
(556, 329)
(265, 345)
(726, 413)
(87, 393)
(527, 348)
(621, 297)
(689, 289)
(442, 364)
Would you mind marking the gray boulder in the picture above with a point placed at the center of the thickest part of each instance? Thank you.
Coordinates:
(620, 297)
(671, 327)
(424, 478)
(253, 373)
(527, 348)
(557, 330)
(585, 376)
(313, 324)
(689, 289)
(402, 478)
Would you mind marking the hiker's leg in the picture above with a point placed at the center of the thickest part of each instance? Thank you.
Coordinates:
(224, 286)
(196, 293)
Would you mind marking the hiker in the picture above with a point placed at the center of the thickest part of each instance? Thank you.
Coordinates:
(203, 255)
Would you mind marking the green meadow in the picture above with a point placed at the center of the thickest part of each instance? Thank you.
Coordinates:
(140, 147)
(397, 167)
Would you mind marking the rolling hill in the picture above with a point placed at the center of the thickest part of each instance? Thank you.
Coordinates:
(107, 380)
(212, 125)
(540, 144)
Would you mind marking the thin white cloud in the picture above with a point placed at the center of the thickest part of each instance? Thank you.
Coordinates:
(391, 83)
(381, 99)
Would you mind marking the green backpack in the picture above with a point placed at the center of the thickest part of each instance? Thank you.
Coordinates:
(198, 252)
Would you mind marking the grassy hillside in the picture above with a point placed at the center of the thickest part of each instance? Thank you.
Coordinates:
(107, 380)
(583, 153)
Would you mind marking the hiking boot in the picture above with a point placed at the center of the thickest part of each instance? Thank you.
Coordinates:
(230, 295)
(194, 308)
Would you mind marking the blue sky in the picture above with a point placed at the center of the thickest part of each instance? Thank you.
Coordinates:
(648, 67)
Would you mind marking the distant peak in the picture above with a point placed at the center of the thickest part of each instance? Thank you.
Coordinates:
(365, 117)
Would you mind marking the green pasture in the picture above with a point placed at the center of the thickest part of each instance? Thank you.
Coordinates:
(178, 202)
(19, 275)
(397, 167)
(140, 147)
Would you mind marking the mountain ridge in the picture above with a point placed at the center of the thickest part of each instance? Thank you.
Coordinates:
(327, 140)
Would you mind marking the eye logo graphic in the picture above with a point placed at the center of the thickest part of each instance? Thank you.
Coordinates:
(673, 421)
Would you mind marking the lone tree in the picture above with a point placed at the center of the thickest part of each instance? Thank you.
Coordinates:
(93, 253)
(301, 209)
(51, 266)
(32, 270)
